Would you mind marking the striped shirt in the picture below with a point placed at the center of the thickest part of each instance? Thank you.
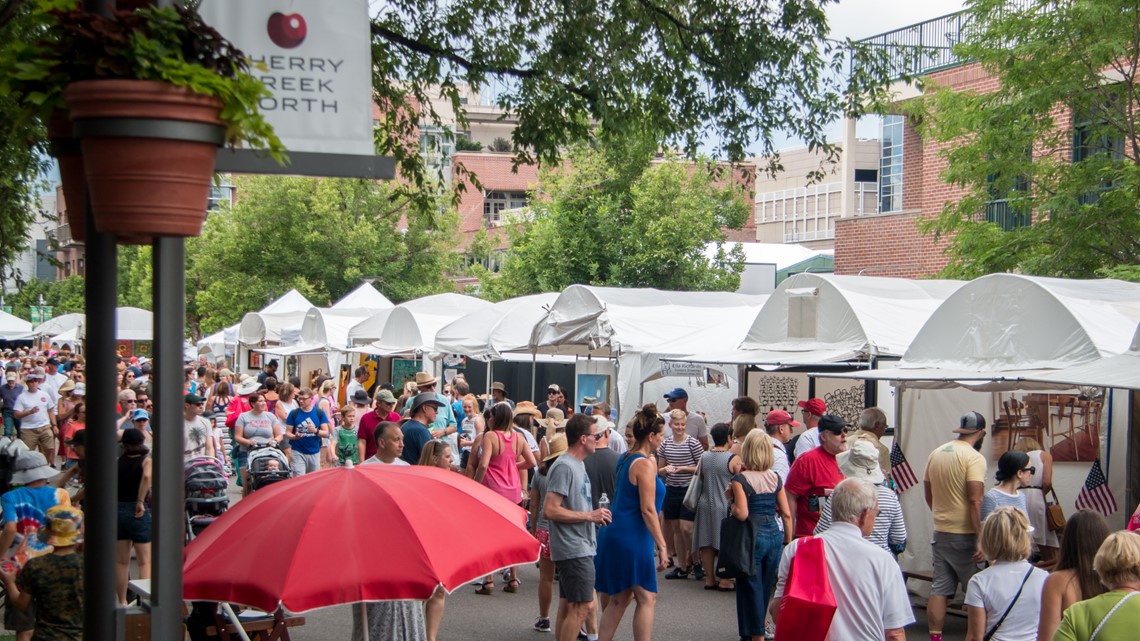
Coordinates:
(683, 454)
(889, 525)
(995, 498)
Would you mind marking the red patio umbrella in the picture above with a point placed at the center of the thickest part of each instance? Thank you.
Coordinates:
(348, 535)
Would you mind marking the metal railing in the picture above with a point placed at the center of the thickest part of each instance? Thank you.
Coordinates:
(929, 45)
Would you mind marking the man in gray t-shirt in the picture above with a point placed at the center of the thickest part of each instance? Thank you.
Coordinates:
(569, 509)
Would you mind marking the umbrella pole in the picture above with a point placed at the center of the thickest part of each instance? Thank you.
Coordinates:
(236, 621)
(364, 620)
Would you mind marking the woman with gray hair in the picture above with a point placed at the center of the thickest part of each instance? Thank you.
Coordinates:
(1114, 614)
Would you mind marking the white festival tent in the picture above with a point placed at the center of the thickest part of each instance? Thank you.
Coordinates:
(411, 327)
(59, 324)
(618, 331)
(494, 332)
(1121, 372)
(14, 328)
(218, 342)
(995, 336)
(364, 297)
(824, 318)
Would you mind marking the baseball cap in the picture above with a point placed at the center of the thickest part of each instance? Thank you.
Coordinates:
(780, 417)
(676, 392)
(553, 388)
(10, 376)
(194, 399)
(814, 405)
(53, 361)
(386, 396)
(970, 423)
(832, 423)
(140, 415)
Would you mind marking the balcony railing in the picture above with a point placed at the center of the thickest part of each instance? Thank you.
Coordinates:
(929, 46)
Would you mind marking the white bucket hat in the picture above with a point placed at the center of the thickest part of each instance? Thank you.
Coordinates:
(860, 461)
(31, 466)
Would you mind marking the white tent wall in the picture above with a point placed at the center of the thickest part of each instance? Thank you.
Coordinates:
(927, 418)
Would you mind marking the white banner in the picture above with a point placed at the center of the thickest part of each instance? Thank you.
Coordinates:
(317, 61)
(677, 368)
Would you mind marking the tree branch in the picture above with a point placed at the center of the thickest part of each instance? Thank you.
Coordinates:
(9, 9)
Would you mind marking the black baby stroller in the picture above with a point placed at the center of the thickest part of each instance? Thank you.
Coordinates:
(267, 465)
(206, 497)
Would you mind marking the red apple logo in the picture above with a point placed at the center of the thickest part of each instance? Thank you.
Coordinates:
(287, 31)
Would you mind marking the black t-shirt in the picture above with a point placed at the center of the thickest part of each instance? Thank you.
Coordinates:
(543, 406)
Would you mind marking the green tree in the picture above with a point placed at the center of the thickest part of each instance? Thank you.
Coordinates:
(320, 236)
(1054, 144)
(613, 216)
(136, 274)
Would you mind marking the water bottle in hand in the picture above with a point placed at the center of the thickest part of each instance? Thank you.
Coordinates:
(604, 502)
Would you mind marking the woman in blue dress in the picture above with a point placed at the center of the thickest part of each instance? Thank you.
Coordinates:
(626, 564)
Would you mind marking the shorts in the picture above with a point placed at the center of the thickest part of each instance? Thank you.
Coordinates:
(303, 464)
(543, 536)
(135, 530)
(953, 562)
(576, 579)
(18, 621)
(674, 507)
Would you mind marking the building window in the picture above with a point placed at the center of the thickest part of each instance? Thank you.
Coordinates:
(495, 202)
(1092, 140)
(866, 175)
(891, 164)
(220, 194)
(436, 146)
(1004, 209)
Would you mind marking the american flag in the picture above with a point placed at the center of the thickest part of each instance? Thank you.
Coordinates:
(1095, 495)
(900, 470)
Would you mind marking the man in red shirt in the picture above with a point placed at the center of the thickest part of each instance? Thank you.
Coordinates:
(384, 401)
(815, 474)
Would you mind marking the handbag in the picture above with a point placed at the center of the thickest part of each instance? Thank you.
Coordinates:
(808, 603)
(1054, 515)
(993, 630)
(693, 493)
(736, 555)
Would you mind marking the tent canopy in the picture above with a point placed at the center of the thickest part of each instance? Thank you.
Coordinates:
(1121, 371)
(824, 318)
(134, 324)
(449, 306)
(490, 332)
(291, 301)
(364, 297)
(413, 328)
(330, 326)
(606, 321)
(262, 327)
(14, 328)
(59, 325)
(1005, 322)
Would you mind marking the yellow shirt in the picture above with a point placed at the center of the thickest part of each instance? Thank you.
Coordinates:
(948, 469)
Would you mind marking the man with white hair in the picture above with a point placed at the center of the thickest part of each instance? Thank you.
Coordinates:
(870, 595)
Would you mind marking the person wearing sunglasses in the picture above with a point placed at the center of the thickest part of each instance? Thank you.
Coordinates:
(198, 431)
(1013, 473)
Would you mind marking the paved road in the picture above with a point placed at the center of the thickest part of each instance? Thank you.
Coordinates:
(685, 612)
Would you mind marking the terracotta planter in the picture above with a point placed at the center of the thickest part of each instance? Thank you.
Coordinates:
(145, 186)
(65, 148)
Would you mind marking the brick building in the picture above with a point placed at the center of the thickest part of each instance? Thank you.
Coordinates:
(911, 189)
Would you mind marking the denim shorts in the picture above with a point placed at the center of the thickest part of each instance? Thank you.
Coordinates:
(135, 530)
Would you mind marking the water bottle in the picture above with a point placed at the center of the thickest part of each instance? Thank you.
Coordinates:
(604, 502)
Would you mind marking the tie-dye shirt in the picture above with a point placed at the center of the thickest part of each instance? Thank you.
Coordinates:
(27, 508)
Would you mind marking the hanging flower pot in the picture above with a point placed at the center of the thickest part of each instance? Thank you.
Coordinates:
(65, 148)
(148, 154)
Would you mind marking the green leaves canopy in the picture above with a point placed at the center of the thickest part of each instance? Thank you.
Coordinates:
(1057, 139)
(614, 217)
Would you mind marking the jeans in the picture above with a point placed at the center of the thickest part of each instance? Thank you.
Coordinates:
(753, 593)
(10, 423)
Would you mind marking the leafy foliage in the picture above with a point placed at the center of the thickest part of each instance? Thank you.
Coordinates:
(614, 216)
(1057, 141)
(65, 296)
(320, 236)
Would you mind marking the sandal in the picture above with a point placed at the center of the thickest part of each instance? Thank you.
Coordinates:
(512, 586)
(486, 587)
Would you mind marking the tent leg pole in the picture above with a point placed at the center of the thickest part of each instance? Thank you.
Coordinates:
(364, 620)
(533, 374)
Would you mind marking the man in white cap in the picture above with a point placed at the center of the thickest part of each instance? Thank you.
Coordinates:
(552, 394)
(35, 409)
(861, 461)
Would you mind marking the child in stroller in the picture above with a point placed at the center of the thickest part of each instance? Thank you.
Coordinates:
(206, 498)
(267, 465)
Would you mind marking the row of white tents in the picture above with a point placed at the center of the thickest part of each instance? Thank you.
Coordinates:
(66, 330)
(929, 349)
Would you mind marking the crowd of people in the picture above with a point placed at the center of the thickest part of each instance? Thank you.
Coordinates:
(611, 508)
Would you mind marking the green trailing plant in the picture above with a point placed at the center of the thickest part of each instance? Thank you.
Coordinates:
(172, 45)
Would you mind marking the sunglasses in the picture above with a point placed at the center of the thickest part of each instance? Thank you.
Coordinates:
(1031, 469)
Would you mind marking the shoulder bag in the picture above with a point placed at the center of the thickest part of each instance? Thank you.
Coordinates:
(693, 493)
(736, 556)
(1054, 515)
(993, 630)
(1109, 615)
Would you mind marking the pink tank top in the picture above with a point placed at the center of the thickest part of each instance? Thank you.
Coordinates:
(502, 472)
